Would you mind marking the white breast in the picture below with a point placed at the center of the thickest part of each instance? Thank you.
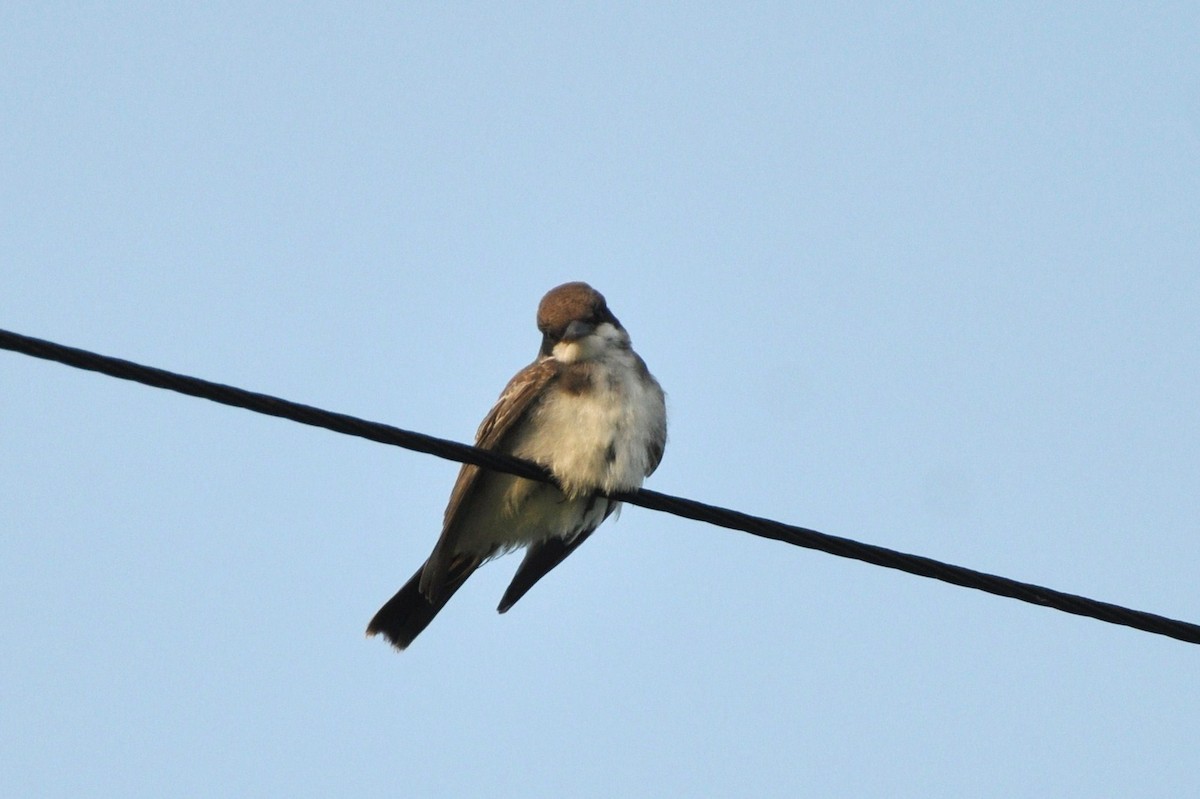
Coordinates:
(599, 438)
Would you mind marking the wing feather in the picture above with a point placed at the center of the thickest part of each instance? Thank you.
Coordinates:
(517, 399)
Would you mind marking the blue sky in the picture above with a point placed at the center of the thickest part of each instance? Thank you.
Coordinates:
(926, 276)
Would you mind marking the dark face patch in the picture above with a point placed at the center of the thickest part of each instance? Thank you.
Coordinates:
(576, 380)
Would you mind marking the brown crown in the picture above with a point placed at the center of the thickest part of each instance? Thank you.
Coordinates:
(568, 303)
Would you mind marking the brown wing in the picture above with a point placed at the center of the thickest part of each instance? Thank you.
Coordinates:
(515, 401)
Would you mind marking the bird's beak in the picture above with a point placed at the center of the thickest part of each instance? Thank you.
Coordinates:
(577, 330)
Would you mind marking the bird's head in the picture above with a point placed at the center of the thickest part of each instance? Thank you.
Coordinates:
(576, 324)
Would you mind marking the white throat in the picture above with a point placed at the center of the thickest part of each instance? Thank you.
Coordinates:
(594, 346)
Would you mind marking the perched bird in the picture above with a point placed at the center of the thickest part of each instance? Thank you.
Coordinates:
(591, 413)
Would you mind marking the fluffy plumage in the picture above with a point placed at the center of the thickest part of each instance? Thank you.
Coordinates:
(589, 411)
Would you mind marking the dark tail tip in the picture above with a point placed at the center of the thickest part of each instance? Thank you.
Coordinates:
(408, 613)
(405, 615)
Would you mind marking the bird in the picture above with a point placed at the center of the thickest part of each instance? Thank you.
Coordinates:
(589, 411)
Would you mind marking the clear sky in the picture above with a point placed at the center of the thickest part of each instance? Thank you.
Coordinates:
(927, 276)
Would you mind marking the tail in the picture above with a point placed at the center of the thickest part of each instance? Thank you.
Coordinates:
(540, 558)
(404, 616)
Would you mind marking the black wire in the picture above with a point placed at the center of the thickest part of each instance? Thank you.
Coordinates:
(687, 508)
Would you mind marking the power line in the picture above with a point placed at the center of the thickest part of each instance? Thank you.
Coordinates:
(679, 506)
